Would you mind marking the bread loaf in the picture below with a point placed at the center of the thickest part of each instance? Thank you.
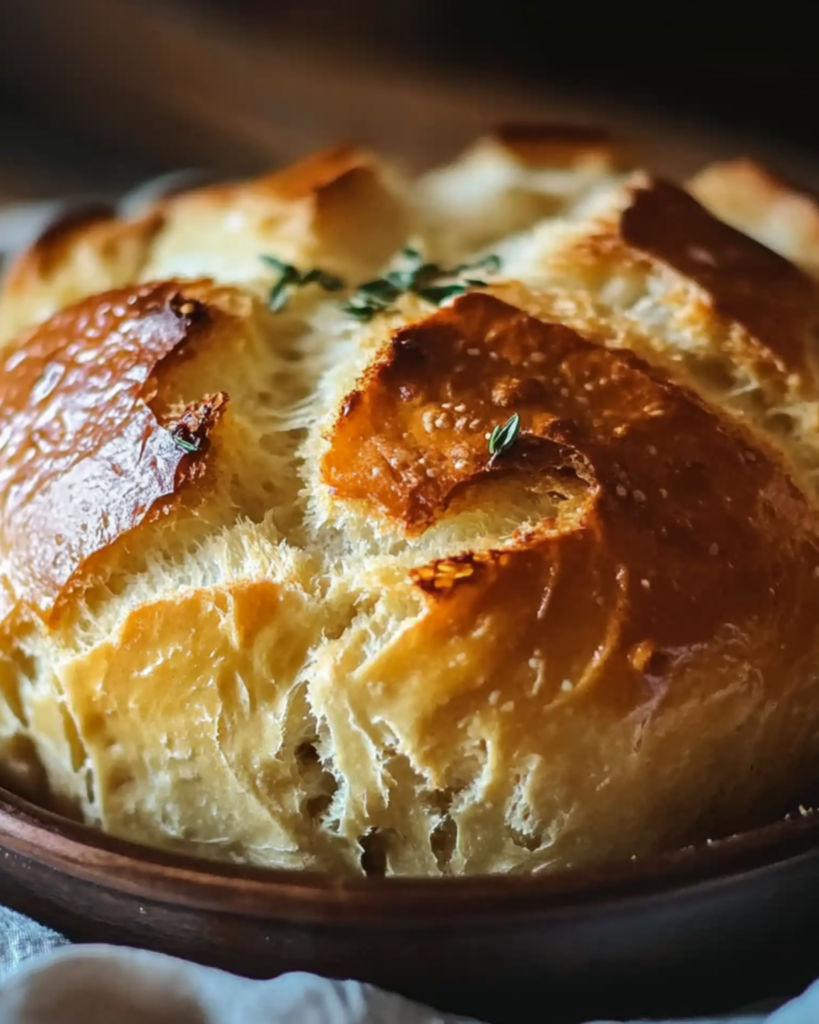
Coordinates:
(506, 561)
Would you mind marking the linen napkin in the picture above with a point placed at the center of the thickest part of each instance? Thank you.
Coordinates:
(45, 980)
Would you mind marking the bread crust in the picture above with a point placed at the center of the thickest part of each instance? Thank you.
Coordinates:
(746, 283)
(761, 204)
(77, 425)
(268, 593)
(555, 146)
(86, 250)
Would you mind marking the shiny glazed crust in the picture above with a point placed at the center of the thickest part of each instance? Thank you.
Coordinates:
(267, 595)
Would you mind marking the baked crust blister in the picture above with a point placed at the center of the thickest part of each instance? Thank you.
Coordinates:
(267, 592)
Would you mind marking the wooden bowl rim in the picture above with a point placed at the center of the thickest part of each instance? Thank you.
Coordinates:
(86, 854)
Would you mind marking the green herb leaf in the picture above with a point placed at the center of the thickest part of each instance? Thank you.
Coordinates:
(379, 292)
(491, 264)
(276, 263)
(440, 293)
(430, 272)
(403, 280)
(360, 310)
(413, 256)
(280, 292)
(420, 278)
(374, 297)
(278, 298)
(329, 282)
(503, 437)
(187, 446)
(291, 277)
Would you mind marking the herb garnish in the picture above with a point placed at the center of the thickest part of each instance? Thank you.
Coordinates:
(187, 446)
(420, 278)
(503, 437)
(291, 277)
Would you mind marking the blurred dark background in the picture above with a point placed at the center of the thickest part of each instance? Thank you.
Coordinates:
(95, 94)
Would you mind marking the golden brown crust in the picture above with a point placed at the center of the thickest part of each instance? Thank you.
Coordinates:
(556, 145)
(511, 179)
(670, 493)
(304, 179)
(769, 307)
(84, 459)
(335, 208)
(62, 233)
(309, 177)
(338, 209)
(84, 251)
(747, 283)
(780, 214)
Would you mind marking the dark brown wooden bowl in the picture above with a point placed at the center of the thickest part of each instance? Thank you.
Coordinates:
(698, 930)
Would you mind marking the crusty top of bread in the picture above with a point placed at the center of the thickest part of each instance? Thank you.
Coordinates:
(85, 459)
(269, 593)
(762, 205)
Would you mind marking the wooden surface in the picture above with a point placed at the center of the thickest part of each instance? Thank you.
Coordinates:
(691, 932)
(175, 84)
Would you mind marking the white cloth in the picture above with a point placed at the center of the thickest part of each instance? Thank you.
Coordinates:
(45, 980)
(108, 985)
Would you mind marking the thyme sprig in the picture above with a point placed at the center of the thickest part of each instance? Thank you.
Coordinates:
(189, 447)
(503, 437)
(291, 277)
(429, 281)
(421, 279)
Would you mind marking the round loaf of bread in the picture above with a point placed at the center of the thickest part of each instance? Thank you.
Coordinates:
(458, 525)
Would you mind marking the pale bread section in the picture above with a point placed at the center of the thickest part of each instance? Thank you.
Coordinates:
(757, 202)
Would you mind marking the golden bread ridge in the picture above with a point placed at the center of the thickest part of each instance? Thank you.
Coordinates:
(341, 633)
(762, 205)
